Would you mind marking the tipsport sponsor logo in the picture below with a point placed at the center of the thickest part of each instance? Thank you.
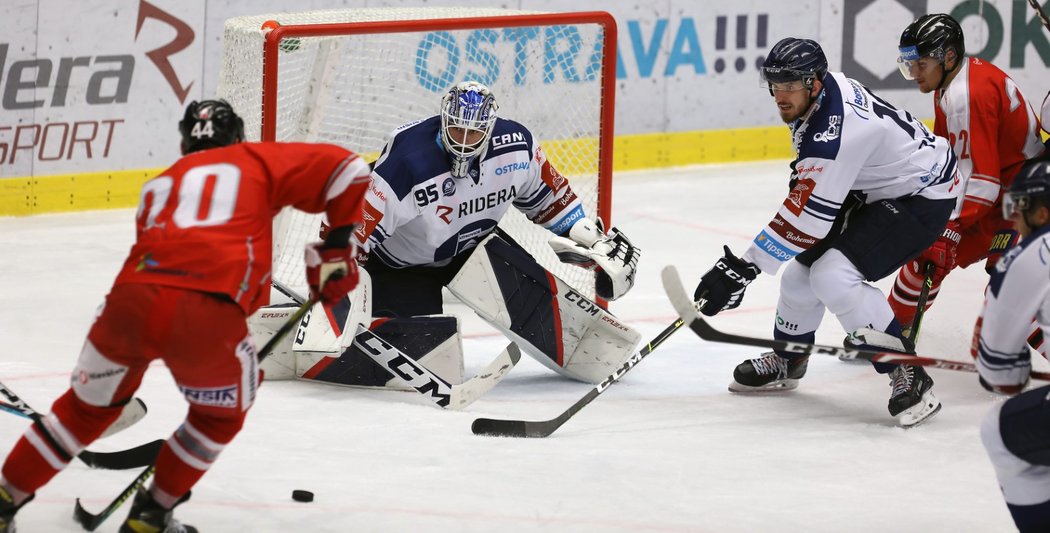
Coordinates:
(773, 247)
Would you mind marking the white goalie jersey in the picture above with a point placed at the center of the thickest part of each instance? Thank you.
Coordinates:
(416, 213)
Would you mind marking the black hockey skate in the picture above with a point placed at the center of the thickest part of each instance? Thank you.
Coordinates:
(147, 516)
(912, 401)
(770, 372)
(8, 510)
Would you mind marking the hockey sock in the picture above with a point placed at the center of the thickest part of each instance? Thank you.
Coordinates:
(72, 425)
(905, 294)
(808, 338)
(189, 452)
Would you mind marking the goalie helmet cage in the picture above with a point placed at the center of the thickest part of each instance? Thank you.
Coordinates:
(350, 77)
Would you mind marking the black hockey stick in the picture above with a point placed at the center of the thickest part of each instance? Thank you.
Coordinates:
(1042, 14)
(136, 457)
(133, 411)
(91, 521)
(543, 428)
(687, 310)
(920, 304)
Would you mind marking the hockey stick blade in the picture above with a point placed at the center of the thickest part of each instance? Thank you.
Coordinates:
(687, 310)
(120, 460)
(132, 413)
(429, 384)
(492, 427)
(137, 457)
(91, 521)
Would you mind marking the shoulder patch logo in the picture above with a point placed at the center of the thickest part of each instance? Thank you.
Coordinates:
(798, 196)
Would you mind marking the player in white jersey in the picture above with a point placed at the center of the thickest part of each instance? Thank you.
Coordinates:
(440, 187)
(992, 129)
(870, 189)
(1016, 433)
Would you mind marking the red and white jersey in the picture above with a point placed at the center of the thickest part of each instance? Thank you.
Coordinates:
(992, 129)
(206, 223)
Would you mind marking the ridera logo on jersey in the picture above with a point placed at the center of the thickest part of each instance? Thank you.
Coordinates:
(444, 212)
(489, 201)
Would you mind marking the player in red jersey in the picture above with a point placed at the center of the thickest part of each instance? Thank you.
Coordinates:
(199, 266)
(992, 129)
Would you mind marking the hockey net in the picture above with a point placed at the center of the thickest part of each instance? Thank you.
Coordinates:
(350, 77)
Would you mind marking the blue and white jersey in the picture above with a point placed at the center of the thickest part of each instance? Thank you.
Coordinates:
(416, 213)
(1017, 293)
(851, 140)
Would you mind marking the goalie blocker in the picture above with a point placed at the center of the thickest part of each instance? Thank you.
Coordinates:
(547, 319)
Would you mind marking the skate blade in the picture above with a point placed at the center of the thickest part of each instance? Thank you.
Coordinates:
(920, 413)
(776, 386)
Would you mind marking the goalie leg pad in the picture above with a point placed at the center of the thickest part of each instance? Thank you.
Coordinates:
(556, 325)
(433, 341)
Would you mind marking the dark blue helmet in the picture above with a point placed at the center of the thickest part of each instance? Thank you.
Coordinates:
(1031, 183)
(210, 124)
(794, 59)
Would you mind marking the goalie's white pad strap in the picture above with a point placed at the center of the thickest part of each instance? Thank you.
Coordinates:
(559, 327)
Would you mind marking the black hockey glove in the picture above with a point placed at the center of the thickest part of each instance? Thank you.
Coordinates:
(723, 286)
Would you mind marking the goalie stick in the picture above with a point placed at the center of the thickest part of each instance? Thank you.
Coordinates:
(136, 457)
(91, 521)
(687, 310)
(543, 428)
(429, 384)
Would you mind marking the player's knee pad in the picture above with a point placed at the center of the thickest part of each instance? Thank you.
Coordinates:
(101, 382)
(835, 281)
(556, 325)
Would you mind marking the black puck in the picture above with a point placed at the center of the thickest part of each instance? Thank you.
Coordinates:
(302, 495)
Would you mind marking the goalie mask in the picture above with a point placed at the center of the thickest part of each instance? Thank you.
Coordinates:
(210, 124)
(468, 115)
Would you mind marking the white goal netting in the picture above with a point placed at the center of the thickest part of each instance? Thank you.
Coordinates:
(353, 89)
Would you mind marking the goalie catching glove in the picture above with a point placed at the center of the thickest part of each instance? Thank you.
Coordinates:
(331, 271)
(611, 256)
(723, 286)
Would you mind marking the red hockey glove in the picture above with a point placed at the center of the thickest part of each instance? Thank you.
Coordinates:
(331, 272)
(943, 252)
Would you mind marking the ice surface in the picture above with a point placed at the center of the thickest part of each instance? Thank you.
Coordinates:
(667, 449)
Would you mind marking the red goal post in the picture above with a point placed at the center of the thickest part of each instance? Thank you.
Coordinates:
(314, 77)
